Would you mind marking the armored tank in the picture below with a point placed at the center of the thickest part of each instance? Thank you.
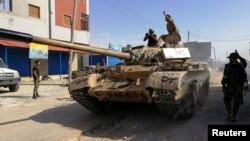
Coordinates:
(162, 76)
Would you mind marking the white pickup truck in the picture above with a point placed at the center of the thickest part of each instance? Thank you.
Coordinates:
(8, 77)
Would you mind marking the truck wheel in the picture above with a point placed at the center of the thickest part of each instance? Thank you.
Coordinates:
(14, 88)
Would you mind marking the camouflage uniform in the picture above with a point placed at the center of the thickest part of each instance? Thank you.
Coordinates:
(233, 82)
(173, 37)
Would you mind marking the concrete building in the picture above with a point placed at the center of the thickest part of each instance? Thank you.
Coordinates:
(200, 51)
(48, 19)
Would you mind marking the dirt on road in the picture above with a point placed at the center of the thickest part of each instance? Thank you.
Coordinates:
(56, 117)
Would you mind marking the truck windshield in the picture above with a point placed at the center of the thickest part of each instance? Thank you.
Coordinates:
(2, 65)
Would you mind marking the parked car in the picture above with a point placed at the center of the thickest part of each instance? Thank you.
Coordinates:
(83, 71)
(9, 78)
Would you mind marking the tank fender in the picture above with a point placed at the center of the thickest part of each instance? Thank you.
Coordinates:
(164, 80)
(84, 82)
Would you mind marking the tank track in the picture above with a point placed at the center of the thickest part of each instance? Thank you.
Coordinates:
(165, 103)
(174, 109)
(90, 103)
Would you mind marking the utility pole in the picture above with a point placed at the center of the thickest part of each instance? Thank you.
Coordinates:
(3, 1)
(72, 41)
(188, 35)
(214, 55)
(249, 48)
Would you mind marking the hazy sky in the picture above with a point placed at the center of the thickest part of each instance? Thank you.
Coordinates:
(226, 23)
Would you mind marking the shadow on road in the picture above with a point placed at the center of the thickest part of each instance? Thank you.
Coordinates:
(16, 96)
(139, 122)
(4, 91)
(134, 122)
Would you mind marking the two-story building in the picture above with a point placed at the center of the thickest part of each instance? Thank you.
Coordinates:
(44, 18)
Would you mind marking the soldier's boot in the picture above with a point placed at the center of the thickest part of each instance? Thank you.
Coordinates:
(37, 95)
(34, 96)
(233, 118)
(229, 111)
(229, 116)
(235, 111)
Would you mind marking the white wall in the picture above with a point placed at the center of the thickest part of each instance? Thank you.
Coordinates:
(19, 19)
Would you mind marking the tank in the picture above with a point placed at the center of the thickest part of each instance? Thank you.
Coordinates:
(165, 77)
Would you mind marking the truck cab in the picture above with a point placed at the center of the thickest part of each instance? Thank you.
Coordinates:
(9, 78)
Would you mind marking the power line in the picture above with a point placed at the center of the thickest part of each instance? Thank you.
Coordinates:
(136, 14)
(225, 39)
(124, 14)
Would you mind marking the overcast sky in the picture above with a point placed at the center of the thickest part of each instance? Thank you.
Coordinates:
(226, 23)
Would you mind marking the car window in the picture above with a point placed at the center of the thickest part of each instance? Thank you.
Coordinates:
(2, 65)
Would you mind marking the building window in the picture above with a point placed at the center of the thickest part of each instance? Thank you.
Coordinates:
(67, 20)
(84, 22)
(6, 5)
(34, 11)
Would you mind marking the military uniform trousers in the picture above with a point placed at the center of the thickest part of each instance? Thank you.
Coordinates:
(233, 98)
(36, 86)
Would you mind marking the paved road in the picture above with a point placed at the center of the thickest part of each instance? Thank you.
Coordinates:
(55, 117)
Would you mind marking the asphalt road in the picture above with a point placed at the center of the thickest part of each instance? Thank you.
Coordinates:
(56, 117)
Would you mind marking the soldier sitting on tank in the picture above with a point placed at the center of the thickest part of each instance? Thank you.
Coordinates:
(151, 37)
(233, 83)
(173, 37)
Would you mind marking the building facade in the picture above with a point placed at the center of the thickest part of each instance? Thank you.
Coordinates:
(43, 18)
(200, 51)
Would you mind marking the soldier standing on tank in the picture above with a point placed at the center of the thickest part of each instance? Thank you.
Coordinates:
(233, 81)
(173, 36)
(36, 76)
(151, 37)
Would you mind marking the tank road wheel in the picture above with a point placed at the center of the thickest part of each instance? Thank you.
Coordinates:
(200, 92)
(165, 103)
(186, 107)
(205, 90)
(90, 103)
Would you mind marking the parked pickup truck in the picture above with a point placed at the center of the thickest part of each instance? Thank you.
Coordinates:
(8, 77)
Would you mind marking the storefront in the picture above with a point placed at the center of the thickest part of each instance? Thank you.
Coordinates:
(16, 56)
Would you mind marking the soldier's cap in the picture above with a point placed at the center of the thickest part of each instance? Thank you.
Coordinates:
(233, 56)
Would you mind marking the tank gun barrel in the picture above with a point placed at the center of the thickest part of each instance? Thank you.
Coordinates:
(23, 37)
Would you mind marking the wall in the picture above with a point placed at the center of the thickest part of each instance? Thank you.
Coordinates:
(19, 19)
(200, 51)
(95, 59)
(62, 32)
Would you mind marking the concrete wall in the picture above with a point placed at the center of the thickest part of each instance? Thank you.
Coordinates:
(62, 33)
(19, 19)
(200, 51)
(21, 8)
